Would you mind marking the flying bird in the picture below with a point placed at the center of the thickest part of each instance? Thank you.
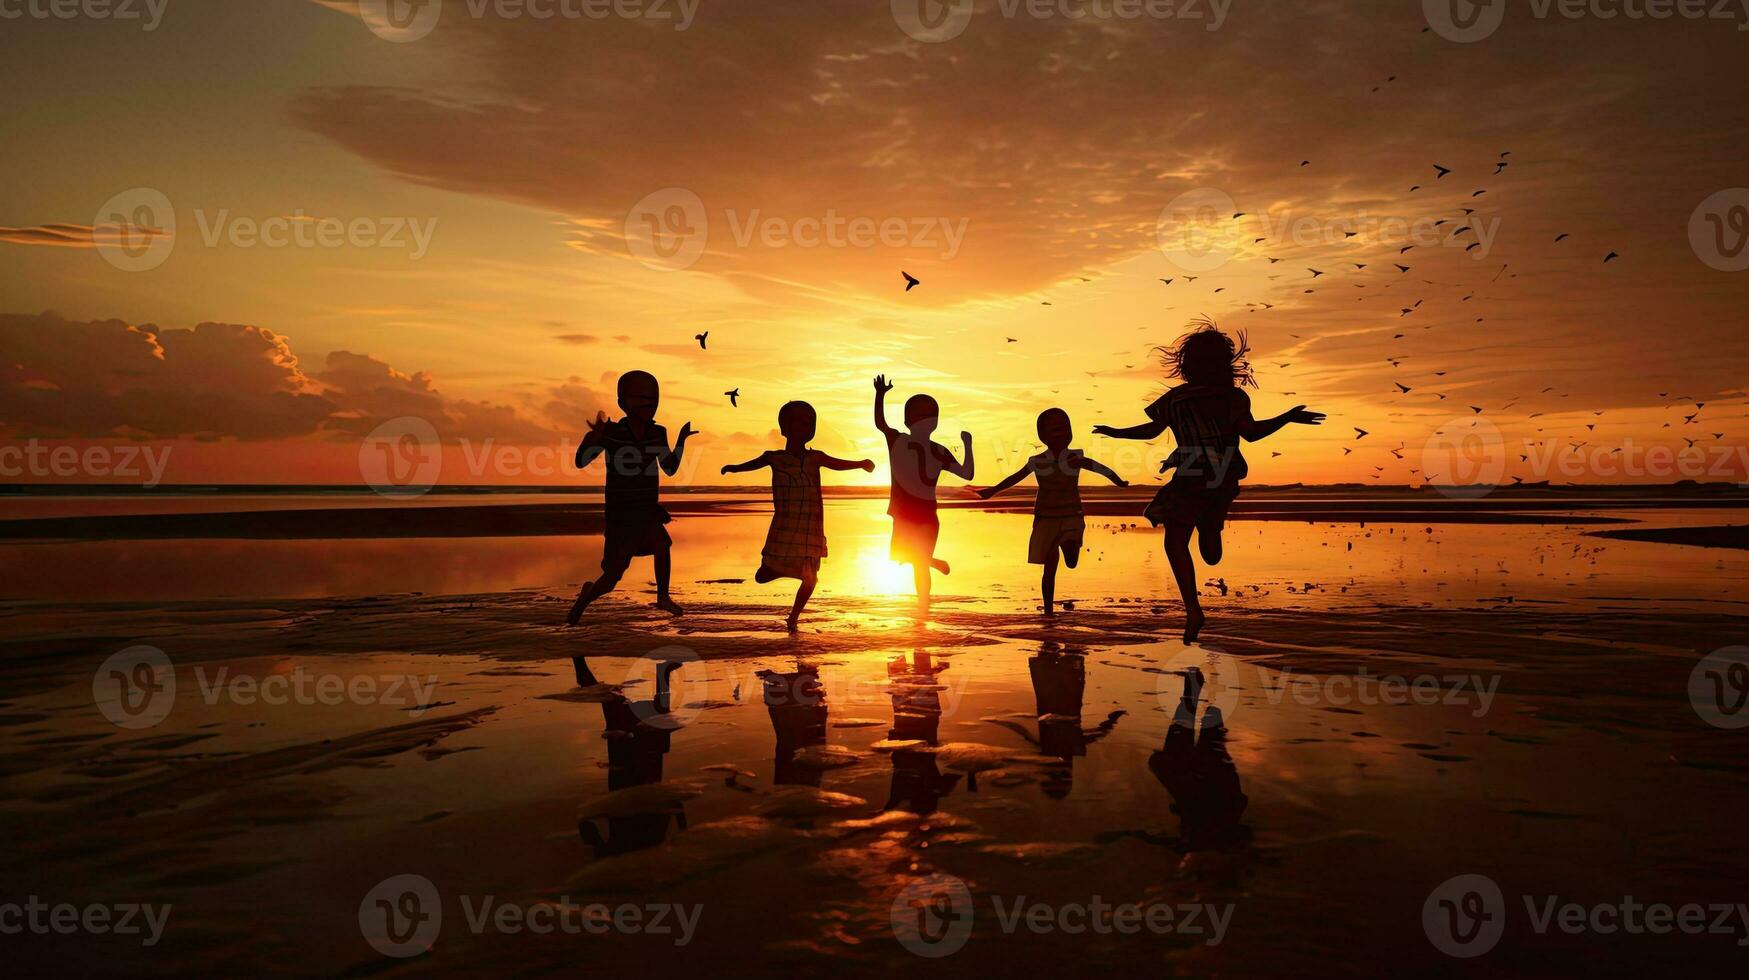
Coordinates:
(1442, 170)
(734, 398)
(911, 281)
(1405, 389)
(1315, 273)
(701, 338)
(1612, 255)
(1402, 268)
(1361, 434)
(1561, 238)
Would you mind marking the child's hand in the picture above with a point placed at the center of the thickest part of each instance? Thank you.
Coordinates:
(595, 425)
(882, 385)
(867, 465)
(1120, 482)
(686, 433)
(986, 493)
(1299, 415)
(966, 437)
(1103, 430)
(725, 471)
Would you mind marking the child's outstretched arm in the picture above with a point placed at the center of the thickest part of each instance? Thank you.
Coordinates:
(964, 469)
(671, 459)
(1095, 466)
(1252, 430)
(591, 446)
(881, 387)
(758, 462)
(834, 463)
(1150, 429)
(1007, 482)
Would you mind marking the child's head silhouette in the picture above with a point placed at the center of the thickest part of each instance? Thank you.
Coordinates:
(1206, 356)
(1055, 430)
(639, 394)
(921, 415)
(797, 421)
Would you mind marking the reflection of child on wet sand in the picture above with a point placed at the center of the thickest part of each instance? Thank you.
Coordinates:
(1200, 774)
(797, 539)
(634, 447)
(638, 738)
(916, 465)
(1208, 414)
(1058, 525)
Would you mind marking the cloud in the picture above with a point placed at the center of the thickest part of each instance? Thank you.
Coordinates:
(577, 339)
(68, 379)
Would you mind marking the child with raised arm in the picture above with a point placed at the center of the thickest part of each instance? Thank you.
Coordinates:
(916, 465)
(1058, 522)
(797, 539)
(634, 448)
(1208, 414)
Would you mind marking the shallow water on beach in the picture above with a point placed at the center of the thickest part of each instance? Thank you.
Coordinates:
(1387, 560)
(1356, 745)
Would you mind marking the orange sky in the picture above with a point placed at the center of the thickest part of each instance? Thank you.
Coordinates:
(457, 228)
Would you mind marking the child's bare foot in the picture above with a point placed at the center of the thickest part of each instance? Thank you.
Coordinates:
(666, 668)
(1193, 621)
(793, 624)
(669, 606)
(1050, 611)
(939, 565)
(764, 575)
(584, 596)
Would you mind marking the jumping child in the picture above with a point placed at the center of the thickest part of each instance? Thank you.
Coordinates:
(635, 446)
(1058, 524)
(1208, 414)
(916, 465)
(797, 539)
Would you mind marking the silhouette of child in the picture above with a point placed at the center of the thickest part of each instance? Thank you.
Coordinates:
(1208, 415)
(797, 539)
(1058, 524)
(634, 447)
(916, 465)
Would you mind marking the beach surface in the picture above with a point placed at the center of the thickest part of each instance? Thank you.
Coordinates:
(1387, 706)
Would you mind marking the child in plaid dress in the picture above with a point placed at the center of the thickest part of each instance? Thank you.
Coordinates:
(797, 539)
(1208, 415)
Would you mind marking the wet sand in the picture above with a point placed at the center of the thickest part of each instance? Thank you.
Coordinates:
(1561, 756)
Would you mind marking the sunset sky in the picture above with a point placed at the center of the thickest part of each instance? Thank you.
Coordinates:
(491, 269)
